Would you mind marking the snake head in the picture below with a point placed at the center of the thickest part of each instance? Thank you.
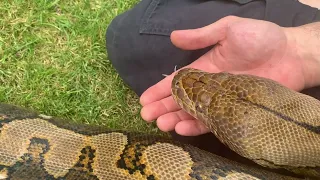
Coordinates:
(196, 92)
(215, 96)
(256, 117)
(188, 90)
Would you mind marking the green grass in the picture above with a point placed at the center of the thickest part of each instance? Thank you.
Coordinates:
(53, 59)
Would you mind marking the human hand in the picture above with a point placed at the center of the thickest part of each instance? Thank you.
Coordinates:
(241, 46)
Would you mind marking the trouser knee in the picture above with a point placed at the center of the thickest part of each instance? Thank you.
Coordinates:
(141, 58)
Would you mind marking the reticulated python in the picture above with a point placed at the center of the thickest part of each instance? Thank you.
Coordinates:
(256, 117)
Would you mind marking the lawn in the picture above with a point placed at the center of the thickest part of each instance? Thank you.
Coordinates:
(53, 60)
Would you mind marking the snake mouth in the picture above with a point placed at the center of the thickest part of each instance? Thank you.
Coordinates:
(178, 90)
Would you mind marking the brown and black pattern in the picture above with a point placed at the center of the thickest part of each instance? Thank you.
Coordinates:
(57, 152)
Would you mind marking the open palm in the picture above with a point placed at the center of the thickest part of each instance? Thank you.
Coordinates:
(241, 46)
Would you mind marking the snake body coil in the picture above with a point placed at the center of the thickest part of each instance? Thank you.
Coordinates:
(257, 118)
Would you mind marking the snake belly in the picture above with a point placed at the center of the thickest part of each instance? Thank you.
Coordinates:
(256, 117)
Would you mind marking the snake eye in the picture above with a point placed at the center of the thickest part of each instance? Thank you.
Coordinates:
(199, 107)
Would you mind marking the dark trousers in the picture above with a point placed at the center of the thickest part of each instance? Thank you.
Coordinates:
(139, 46)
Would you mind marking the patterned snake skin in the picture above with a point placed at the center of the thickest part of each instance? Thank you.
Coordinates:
(257, 118)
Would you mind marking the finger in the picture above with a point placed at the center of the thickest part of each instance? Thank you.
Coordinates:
(190, 128)
(193, 39)
(158, 108)
(158, 91)
(167, 122)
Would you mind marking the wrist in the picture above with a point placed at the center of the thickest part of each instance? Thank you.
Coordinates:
(304, 43)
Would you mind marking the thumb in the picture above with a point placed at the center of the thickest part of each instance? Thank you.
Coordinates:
(202, 37)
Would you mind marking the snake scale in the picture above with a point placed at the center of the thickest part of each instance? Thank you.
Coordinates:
(258, 118)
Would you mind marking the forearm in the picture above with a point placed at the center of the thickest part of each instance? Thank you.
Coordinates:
(304, 41)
